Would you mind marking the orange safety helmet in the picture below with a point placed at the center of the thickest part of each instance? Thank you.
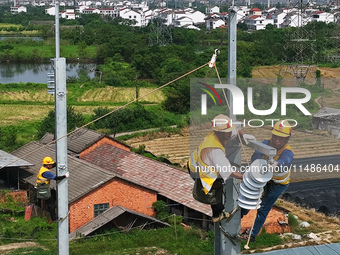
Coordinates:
(47, 161)
(282, 129)
(222, 123)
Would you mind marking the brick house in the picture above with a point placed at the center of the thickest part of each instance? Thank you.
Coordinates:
(91, 189)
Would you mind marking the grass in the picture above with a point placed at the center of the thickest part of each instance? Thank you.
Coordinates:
(112, 94)
(263, 240)
(18, 115)
(169, 240)
(7, 25)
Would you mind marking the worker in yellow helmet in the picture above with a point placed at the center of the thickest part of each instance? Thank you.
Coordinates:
(44, 178)
(209, 166)
(281, 133)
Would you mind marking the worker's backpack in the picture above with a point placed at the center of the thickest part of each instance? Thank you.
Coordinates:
(214, 196)
(43, 191)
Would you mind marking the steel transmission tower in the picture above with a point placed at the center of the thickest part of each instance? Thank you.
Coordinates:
(161, 26)
(160, 33)
(299, 49)
(334, 40)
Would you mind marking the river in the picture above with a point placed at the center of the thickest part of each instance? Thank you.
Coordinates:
(37, 72)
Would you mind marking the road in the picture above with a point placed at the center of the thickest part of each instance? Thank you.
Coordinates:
(319, 189)
(306, 169)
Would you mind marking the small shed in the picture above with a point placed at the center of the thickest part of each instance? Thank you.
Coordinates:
(9, 163)
(328, 119)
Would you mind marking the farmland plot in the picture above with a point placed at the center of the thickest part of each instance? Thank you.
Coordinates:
(177, 147)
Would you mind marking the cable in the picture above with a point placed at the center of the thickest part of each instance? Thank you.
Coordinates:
(78, 129)
(251, 229)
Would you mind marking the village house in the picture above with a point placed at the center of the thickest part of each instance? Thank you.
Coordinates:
(212, 10)
(213, 21)
(68, 14)
(134, 15)
(18, 9)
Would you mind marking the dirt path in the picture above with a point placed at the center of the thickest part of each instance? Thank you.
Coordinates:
(4, 249)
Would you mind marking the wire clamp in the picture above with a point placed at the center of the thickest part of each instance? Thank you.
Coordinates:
(212, 62)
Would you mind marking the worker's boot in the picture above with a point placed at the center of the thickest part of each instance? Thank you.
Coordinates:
(223, 215)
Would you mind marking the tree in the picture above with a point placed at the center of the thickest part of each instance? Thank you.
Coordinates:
(82, 49)
(74, 120)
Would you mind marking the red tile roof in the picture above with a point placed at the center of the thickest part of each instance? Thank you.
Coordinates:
(254, 17)
(168, 181)
(255, 9)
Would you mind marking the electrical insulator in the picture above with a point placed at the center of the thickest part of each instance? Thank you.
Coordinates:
(51, 81)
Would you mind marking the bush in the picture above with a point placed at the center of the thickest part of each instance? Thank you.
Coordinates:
(73, 120)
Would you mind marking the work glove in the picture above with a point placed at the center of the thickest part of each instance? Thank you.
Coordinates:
(58, 178)
(248, 137)
(271, 166)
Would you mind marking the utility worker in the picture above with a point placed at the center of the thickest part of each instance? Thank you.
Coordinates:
(44, 178)
(209, 166)
(281, 133)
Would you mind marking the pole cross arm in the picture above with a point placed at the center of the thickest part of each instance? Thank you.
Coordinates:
(263, 148)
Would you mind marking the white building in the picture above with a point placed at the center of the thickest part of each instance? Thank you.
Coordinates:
(242, 13)
(109, 12)
(134, 15)
(279, 19)
(213, 22)
(183, 21)
(323, 17)
(196, 16)
(211, 10)
(90, 11)
(295, 20)
(18, 9)
(257, 22)
(255, 11)
(50, 11)
(68, 14)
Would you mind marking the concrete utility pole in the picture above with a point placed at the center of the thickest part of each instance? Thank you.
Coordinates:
(61, 145)
(223, 246)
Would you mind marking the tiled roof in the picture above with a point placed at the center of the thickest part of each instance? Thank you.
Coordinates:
(168, 181)
(84, 176)
(8, 160)
(255, 9)
(80, 140)
(109, 215)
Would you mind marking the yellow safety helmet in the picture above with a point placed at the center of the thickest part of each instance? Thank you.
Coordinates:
(282, 129)
(47, 161)
(222, 123)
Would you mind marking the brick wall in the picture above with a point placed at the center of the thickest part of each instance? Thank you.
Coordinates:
(18, 196)
(115, 192)
(104, 140)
